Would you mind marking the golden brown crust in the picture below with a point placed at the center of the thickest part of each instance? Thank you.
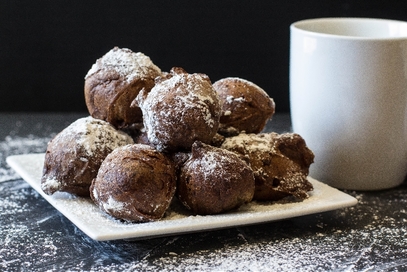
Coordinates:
(135, 183)
(214, 180)
(245, 106)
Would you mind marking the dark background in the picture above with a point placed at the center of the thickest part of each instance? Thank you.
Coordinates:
(47, 47)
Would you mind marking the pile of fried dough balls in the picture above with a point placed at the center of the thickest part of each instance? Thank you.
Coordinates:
(153, 135)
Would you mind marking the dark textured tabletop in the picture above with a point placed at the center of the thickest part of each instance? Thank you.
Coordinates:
(371, 236)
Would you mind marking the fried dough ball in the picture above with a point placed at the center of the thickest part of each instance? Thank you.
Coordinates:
(280, 163)
(180, 109)
(135, 183)
(73, 156)
(245, 106)
(214, 180)
(114, 81)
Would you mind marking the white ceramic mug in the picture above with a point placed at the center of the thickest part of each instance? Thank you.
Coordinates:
(348, 99)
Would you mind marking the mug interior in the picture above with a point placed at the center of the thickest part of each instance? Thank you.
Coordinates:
(355, 27)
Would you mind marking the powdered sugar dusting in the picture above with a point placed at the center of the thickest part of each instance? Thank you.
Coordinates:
(249, 143)
(127, 63)
(230, 99)
(247, 83)
(34, 236)
(210, 162)
(171, 103)
(13, 145)
(93, 135)
(113, 205)
(361, 238)
(51, 183)
(335, 241)
(263, 151)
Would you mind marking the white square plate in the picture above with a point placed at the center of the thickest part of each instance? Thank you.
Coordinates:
(99, 226)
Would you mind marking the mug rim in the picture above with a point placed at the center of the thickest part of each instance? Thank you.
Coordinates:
(301, 27)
